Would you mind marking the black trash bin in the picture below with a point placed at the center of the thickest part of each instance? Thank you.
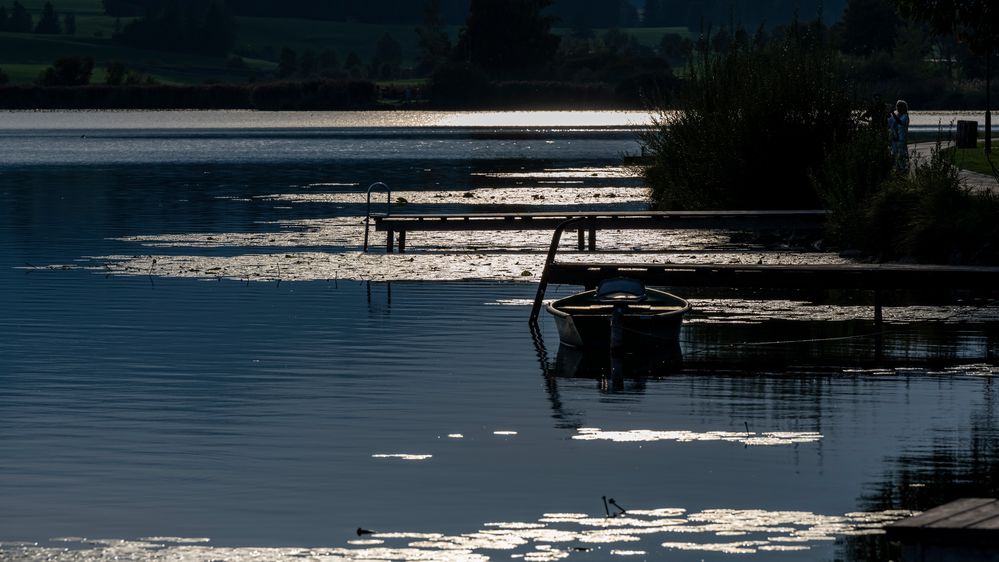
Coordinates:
(967, 134)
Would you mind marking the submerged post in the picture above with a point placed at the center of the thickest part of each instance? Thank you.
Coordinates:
(878, 315)
(988, 98)
(367, 212)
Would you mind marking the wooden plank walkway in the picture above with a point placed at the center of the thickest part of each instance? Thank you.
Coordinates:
(878, 278)
(966, 529)
(614, 220)
(763, 276)
(875, 277)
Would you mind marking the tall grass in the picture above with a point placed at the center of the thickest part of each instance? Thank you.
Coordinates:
(930, 216)
(754, 122)
(850, 176)
(926, 216)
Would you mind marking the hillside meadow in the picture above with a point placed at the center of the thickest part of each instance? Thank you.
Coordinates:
(258, 45)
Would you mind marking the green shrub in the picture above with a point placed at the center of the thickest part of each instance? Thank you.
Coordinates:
(931, 217)
(851, 174)
(755, 122)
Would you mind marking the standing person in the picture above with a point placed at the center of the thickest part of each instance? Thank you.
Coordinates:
(898, 130)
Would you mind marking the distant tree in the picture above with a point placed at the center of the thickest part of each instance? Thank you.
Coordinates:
(352, 64)
(508, 38)
(721, 40)
(49, 22)
(594, 13)
(652, 14)
(387, 58)
(615, 41)
(115, 73)
(434, 43)
(288, 63)
(578, 42)
(328, 61)
(675, 48)
(307, 64)
(218, 30)
(194, 26)
(912, 47)
(678, 13)
(457, 84)
(20, 20)
(627, 14)
(126, 8)
(69, 71)
(975, 22)
(69, 24)
(4, 19)
(868, 26)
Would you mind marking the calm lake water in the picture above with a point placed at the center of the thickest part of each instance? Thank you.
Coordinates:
(198, 363)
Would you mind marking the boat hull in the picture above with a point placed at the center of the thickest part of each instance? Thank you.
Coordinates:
(583, 322)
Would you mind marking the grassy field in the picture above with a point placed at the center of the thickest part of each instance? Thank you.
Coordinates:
(266, 36)
(77, 7)
(974, 159)
(259, 42)
(32, 53)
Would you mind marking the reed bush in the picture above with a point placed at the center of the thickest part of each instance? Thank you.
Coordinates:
(850, 176)
(752, 125)
(929, 216)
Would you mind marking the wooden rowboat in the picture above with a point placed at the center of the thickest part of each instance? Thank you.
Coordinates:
(620, 314)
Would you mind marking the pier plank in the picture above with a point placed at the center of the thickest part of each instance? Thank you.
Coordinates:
(833, 276)
(965, 529)
(613, 220)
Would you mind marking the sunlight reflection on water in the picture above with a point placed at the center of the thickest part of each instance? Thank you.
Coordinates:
(554, 536)
(682, 436)
(247, 119)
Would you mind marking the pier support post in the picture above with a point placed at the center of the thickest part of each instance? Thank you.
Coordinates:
(389, 241)
(878, 314)
(593, 233)
(402, 241)
(581, 242)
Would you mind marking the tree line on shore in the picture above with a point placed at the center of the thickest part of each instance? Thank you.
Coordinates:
(514, 41)
(19, 20)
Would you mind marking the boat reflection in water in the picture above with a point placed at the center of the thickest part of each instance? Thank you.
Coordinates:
(611, 370)
(575, 362)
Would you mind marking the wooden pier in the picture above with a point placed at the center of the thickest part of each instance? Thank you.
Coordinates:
(590, 222)
(966, 529)
(877, 278)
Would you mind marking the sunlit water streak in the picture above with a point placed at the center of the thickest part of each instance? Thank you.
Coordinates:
(747, 438)
(555, 536)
